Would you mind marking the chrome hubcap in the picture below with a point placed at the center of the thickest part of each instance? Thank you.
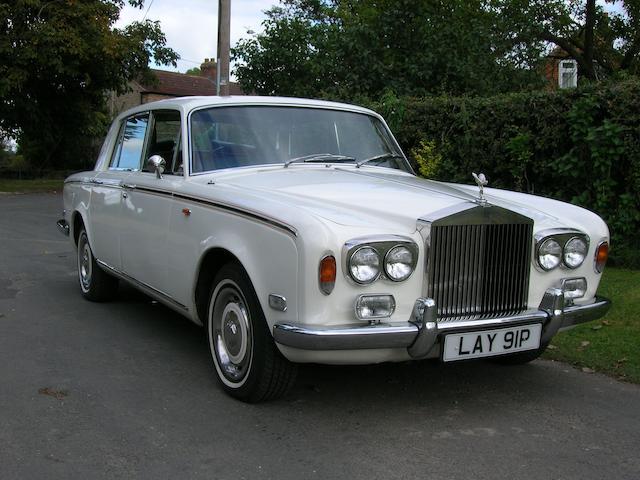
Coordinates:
(84, 263)
(231, 333)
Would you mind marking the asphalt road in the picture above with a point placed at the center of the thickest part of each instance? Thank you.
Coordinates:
(126, 390)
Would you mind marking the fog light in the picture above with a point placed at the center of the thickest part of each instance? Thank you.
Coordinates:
(375, 307)
(574, 288)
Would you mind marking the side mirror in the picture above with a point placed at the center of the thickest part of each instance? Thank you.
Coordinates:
(157, 164)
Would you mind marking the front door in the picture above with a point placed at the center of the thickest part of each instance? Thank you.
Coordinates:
(146, 205)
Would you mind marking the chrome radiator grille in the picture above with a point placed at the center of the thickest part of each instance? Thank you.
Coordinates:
(479, 270)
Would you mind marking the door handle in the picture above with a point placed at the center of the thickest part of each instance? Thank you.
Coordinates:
(96, 181)
(128, 186)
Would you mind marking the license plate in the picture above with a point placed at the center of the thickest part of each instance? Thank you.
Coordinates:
(488, 343)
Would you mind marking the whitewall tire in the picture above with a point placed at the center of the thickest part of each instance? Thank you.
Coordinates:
(247, 362)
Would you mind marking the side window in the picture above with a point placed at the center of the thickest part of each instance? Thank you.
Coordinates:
(128, 152)
(164, 140)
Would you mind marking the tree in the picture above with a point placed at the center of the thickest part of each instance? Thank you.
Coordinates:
(58, 59)
(603, 43)
(354, 48)
(194, 71)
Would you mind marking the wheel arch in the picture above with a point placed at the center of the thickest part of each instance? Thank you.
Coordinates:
(210, 263)
(77, 222)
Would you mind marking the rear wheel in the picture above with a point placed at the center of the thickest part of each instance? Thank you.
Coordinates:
(248, 364)
(96, 284)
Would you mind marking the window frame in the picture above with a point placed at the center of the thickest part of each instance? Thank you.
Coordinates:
(189, 152)
(117, 146)
(152, 124)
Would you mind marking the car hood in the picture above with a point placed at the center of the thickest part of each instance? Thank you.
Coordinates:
(370, 195)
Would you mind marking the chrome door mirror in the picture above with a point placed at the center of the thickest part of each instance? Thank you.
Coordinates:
(156, 164)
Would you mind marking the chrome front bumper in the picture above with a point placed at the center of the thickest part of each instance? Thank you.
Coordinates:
(423, 331)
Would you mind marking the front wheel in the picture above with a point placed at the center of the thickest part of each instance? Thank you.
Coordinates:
(248, 364)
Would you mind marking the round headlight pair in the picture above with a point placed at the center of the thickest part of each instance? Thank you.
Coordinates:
(551, 253)
(365, 264)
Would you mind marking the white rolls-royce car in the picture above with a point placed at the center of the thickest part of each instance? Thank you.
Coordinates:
(296, 231)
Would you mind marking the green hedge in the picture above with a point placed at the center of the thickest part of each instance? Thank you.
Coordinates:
(581, 146)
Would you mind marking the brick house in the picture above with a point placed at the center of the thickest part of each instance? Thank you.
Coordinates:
(561, 70)
(170, 85)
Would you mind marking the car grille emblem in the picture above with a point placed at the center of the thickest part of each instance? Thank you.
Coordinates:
(481, 180)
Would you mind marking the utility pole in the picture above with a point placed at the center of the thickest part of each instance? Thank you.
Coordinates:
(224, 46)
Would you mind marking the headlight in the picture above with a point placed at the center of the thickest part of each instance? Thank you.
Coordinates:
(575, 251)
(399, 263)
(364, 265)
(549, 254)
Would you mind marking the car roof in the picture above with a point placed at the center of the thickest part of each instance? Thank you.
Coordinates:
(187, 104)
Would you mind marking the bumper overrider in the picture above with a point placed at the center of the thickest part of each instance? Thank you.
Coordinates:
(63, 227)
(423, 331)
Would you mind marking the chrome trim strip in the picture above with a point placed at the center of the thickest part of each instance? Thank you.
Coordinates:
(210, 203)
(148, 289)
(241, 211)
(101, 183)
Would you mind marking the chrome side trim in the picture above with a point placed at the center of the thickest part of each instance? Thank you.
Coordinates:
(63, 227)
(250, 214)
(240, 211)
(148, 289)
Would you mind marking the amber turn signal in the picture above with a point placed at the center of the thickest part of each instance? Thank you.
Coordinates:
(327, 274)
(602, 253)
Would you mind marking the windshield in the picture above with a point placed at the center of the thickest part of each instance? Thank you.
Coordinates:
(226, 137)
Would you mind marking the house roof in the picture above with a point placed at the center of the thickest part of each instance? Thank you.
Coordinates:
(180, 85)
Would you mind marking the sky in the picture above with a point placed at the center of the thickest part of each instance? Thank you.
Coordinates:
(191, 25)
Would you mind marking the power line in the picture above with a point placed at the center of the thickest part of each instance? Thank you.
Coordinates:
(147, 12)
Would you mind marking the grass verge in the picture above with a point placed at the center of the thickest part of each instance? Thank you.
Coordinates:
(31, 186)
(610, 345)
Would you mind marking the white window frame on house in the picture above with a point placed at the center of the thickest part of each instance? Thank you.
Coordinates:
(571, 72)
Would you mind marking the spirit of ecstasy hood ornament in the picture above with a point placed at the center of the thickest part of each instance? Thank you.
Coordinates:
(481, 180)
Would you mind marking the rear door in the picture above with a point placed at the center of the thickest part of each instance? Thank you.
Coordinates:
(107, 189)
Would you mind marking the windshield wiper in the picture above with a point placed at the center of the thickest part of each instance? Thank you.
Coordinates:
(320, 157)
(383, 156)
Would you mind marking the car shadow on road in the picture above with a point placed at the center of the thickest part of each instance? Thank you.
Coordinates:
(404, 385)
